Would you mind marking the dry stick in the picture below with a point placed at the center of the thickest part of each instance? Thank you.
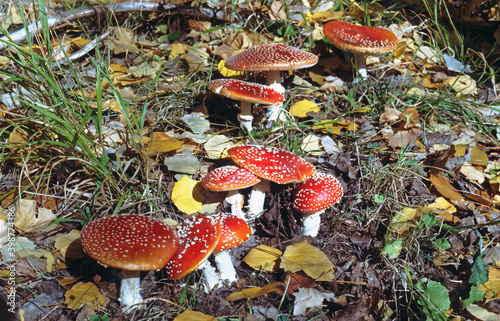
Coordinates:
(63, 18)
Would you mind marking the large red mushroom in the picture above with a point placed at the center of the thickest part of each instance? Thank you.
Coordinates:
(247, 93)
(132, 243)
(272, 59)
(270, 164)
(312, 197)
(360, 41)
(230, 178)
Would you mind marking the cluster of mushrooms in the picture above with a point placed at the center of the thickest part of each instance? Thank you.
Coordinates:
(277, 57)
(135, 243)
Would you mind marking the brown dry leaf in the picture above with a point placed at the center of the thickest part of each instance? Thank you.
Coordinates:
(190, 315)
(250, 293)
(122, 41)
(401, 138)
(85, 293)
(491, 288)
(305, 257)
(263, 258)
(187, 195)
(478, 157)
(67, 280)
(295, 281)
(444, 187)
(161, 143)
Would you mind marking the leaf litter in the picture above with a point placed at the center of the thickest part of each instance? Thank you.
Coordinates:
(452, 171)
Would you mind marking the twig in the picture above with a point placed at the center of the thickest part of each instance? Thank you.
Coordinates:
(63, 18)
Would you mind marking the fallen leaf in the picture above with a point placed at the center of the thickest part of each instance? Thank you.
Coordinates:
(305, 257)
(215, 146)
(161, 143)
(482, 314)
(309, 298)
(301, 108)
(187, 195)
(478, 157)
(85, 293)
(311, 145)
(122, 41)
(444, 187)
(29, 218)
(463, 85)
(69, 245)
(196, 122)
(491, 288)
(227, 72)
(441, 207)
(263, 258)
(472, 173)
(250, 293)
(190, 315)
(185, 163)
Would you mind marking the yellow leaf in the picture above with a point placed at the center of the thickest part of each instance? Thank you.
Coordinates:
(17, 137)
(263, 258)
(478, 157)
(30, 218)
(227, 72)
(301, 108)
(117, 68)
(445, 209)
(491, 288)
(305, 257)
(187, 195)
(327, 126)
(463, 85)
(460, 150)
(162, 143)
(361, 110)
(69, 245)
(250, 293)
(190, 315)
(444, 187)
(178, 49)
(67, 280)
(85, 293)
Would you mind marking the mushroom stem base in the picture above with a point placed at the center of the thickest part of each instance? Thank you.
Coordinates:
(360, 63)
(211, 278)
(130, 289)
(225, 266)
(311, 224)
(256, 199)
(235, 199)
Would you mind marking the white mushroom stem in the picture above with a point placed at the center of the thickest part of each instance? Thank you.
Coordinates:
(256, 200)
(210, 277)
(225, 266)
(130, 289)
(246, 116)
(360, 63)
(311, 224)
(275, 111)
(235, 199)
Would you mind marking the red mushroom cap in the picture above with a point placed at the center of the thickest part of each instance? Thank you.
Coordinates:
(244, 90)
(228, 178)
(235, 231)
(317, 193)
(198, 238)
(360, 39)
(275, 56)
(130, 242)
(273, 164)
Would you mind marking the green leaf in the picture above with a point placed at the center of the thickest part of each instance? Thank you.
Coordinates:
(393, 249)
(442, 244)
(479, 271)
(435, 301)
(474, 296)
(429, 220)
(378, 198)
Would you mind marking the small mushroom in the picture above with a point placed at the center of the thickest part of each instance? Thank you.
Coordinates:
(230, 178)
(132, 243)
(270, 164)
(247, 93)
(272, 59)
(360, 41)
(312, 197)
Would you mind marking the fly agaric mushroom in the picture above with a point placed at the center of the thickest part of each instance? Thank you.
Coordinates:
(132, 243)
(247, 93)
(234, 232)
(312, 197)
(272, 58)
(198, 238)
(360, 41)
(230, 178)
(271, 164)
